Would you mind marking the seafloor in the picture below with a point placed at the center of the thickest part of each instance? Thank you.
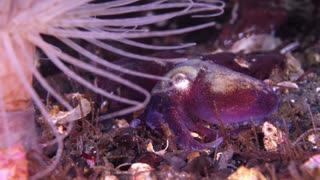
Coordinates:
(113, 150)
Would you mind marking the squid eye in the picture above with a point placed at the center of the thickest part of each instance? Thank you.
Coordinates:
(180, 81)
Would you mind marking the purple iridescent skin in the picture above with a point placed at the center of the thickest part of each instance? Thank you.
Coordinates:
(199, 94)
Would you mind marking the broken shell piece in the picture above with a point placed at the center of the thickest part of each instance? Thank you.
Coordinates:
(288, 85)
(314, 138)
(141, 171)
(160, 152)
(121, 123)
(312, 166)
(82, 110)
(273, 137)
(139, 167)
(247, 173)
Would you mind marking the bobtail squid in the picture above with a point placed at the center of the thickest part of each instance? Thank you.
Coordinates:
(201, 93)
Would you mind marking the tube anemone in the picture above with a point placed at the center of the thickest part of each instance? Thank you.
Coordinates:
(23, 24)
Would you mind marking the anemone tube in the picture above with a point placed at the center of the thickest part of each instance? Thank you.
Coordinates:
(22, 26)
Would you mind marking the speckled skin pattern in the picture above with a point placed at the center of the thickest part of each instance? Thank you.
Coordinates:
(200, 94)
